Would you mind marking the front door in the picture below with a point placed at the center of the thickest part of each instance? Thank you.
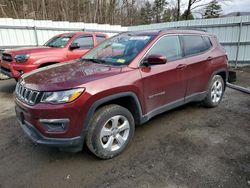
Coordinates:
(85, 43)
(164, 84)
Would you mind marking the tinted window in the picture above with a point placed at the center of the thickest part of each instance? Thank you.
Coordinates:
(58, 41)
(85, 42)
(194, 45)
(207, 42)
(100, 38)
(168, 46)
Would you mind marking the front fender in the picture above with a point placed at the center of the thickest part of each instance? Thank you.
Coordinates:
(50, 59)
(103, 100)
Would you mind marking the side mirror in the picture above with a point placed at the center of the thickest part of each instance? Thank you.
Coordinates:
(74, 46)
(155, 59)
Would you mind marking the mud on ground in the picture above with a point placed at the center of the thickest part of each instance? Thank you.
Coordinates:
(243, 76)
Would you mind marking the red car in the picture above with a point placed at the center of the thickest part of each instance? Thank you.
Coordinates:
(123, 82)
(63, 47)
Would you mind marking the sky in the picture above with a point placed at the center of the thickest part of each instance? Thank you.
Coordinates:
(236, 6)
(231, 5)
(227, 7)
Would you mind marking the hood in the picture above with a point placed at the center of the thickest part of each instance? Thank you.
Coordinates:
(32, 50)
(67, 75)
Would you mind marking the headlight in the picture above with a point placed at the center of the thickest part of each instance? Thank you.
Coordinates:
(59, 97)
(21, 58)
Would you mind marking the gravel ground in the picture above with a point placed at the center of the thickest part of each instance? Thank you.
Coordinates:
(243, 76)
(190, 146)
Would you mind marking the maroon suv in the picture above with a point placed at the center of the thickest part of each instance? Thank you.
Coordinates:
(123, 82)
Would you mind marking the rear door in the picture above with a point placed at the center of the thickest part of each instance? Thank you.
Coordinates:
(100, 38)
(85, 42)
(198, 58)
(164, 84)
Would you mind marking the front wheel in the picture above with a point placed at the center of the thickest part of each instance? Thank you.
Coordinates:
(111, 130)
(215, 92)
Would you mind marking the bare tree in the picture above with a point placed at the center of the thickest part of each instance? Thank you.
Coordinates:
(178, 9)
(194, 4)
(123, 12)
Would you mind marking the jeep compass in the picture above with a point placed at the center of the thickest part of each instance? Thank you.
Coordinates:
(123, 82)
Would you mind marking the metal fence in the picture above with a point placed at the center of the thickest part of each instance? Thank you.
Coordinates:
(28, 32)
(232, 32)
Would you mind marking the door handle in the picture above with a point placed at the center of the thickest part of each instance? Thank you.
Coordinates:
(209, 58)
(181, 66)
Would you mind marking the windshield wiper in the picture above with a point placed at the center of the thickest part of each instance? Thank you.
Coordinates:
(99, 61)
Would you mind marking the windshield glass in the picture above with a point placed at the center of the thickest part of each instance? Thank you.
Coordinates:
(58, 41)
(119, 50)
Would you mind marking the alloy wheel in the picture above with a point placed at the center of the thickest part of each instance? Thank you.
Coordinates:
(114, 133)
(217, 91)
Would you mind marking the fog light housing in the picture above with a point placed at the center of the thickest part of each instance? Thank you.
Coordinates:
(55, 125)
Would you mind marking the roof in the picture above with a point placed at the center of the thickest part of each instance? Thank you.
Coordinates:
(175, 30)
(80, 33)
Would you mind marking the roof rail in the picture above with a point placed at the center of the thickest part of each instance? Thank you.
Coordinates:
(182, 28)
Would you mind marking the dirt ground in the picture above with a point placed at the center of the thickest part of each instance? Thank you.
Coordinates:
(190, 147)
(243, 76)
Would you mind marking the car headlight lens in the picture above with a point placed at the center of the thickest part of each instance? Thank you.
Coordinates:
(21, 58)
(59, 97)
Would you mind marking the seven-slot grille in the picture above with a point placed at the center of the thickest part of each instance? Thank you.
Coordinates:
(26, 95)
(6, 57)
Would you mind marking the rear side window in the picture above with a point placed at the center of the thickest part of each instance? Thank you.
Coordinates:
(195, 44)
(168, 46)
(85, 42)
(100, 38)
(207, 42)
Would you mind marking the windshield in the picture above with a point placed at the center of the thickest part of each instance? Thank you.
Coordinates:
(119, 50)
(58, 41)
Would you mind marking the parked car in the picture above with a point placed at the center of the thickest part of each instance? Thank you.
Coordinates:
(63, 47)
(123, 82)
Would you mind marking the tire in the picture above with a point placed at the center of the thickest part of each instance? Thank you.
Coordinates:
(110, 131)
(215, 92)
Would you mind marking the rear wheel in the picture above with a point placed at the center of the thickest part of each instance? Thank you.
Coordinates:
(215, 92)
(111, 130)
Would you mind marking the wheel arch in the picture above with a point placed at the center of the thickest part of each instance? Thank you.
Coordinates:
(224, 76)
(41, 62)
(46, 64)
(128, 100)
(223, 73)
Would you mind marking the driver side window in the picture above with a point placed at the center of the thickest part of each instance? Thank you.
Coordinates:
(85, 42)
(168, 46)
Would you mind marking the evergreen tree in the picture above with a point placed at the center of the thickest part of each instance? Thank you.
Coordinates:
(212, 10)
(167, 15)
(146, 13)
(158, 9)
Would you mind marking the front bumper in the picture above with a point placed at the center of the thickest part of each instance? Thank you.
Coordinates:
(6, 72)
(42, 121)
(46, 120)
(38, 138)
(15, 70)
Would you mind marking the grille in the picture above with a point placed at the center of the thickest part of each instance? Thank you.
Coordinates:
(26, 95)
(6, 57)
